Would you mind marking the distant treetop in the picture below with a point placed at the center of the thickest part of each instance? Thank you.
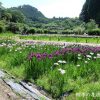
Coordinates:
(91, 10)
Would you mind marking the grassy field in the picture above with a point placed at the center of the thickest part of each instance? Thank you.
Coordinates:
(62, 38)
(73, 70)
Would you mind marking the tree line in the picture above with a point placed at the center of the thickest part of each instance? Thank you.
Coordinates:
(28, 20)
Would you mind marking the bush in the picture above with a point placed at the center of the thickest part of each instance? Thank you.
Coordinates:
(24, 28)
(79, 30)
(31, 31)
(2, 26)
(13, 27)
(94, 32)
(39, 31)
(45, 31)
(67, 32)
(91, 25)
(52, 32)
(1, 29)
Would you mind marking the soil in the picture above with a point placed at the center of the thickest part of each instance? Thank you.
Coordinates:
(6, 93)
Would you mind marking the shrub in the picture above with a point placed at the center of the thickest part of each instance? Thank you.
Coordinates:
(68, 31)
(79, 30)
(91, 25)
(2, 26)
(65, 32)
(45, 31)
(94, 31)
(13, 27)
(52, 32)
(39, 31)
(25, 29)
(31, 31)
(1, 29)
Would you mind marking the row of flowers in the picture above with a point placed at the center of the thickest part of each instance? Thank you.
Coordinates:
(80, 50)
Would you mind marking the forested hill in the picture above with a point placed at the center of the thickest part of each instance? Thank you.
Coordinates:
(31, 13)
(91, 10)
(29, 20)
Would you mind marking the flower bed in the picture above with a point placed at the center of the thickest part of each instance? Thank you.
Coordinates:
(58, 70)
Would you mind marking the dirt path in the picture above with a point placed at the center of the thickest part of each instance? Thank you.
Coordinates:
(10, 89)
(6, 93)
(56, 42)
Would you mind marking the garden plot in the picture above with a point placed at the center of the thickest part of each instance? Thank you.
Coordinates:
(61, 71)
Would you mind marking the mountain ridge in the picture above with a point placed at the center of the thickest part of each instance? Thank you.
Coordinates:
(30, 12)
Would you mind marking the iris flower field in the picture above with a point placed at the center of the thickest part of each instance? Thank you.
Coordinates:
(68, 72)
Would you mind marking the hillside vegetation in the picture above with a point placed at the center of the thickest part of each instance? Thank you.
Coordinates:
(91, 10)
(26, 19)
(31, 13)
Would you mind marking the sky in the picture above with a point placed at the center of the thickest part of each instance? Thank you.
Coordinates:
(50, 8)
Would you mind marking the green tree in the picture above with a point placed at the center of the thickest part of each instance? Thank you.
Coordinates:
(17, 16)
(79, 30)
(91, 25)
(13, 27)
(6, 15)
(2, 26)
(91, 10)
